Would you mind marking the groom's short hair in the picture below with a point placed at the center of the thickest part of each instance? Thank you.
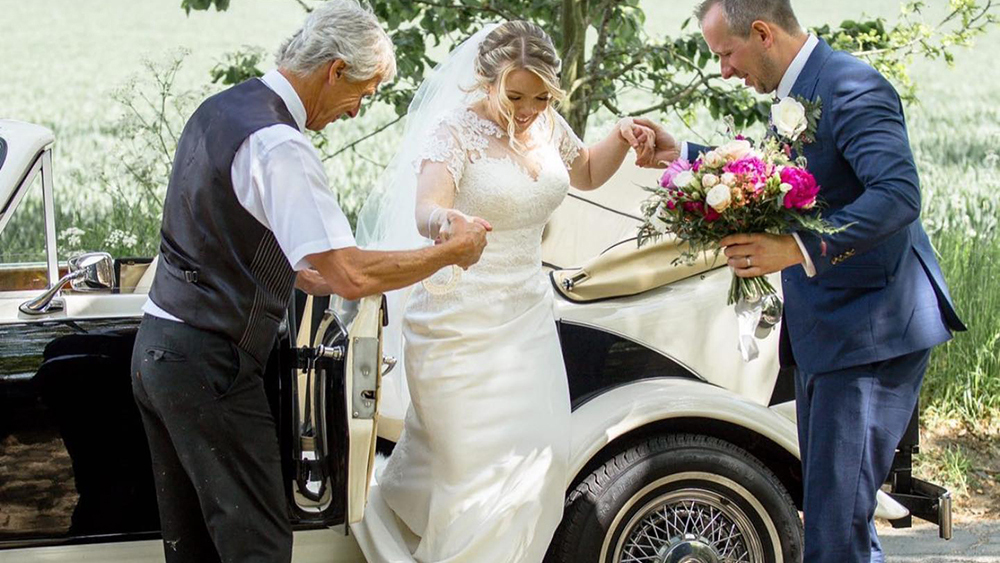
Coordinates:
(742, 13)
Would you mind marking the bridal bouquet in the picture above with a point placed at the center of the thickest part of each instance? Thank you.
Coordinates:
(741, 187)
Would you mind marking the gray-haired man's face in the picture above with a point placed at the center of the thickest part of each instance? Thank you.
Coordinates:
(341, 97)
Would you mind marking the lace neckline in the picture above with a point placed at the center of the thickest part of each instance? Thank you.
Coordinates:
(496, 130)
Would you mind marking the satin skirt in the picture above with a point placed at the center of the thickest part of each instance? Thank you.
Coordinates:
(480, 472)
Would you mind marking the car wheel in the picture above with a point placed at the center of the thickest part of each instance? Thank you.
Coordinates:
(681, 498)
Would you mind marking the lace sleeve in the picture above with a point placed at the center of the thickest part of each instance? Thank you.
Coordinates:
(569, 144)
(443, 146)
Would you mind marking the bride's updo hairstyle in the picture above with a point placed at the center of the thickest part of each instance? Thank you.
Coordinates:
(512, 46)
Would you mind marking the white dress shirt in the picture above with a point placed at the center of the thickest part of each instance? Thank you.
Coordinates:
(279, 179)
(784, 88)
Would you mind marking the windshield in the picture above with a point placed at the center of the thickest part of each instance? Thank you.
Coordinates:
(3, 151)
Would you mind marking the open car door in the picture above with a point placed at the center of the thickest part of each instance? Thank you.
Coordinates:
(334, 396)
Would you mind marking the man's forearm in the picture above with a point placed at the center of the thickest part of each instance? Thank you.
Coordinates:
(354, 273)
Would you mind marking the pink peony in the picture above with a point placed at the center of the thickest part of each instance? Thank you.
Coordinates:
(804, 188)
(676, 167)
(753, 168)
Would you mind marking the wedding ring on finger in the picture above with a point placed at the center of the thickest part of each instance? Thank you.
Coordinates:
(748, 262)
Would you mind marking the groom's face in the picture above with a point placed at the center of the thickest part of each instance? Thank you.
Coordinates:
(745, 58)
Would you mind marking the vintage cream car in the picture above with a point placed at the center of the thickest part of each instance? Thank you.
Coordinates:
(681, 451)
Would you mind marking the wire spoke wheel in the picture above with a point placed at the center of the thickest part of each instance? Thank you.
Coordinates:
(689, 526)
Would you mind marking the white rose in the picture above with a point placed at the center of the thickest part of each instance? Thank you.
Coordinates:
(714, 160)
(729, 179)
(735, 150)
(789, 118)
(683, 179)
(785, 187)
(709, 180)
(719, 198)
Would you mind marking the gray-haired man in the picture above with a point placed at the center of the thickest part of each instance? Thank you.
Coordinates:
(248, 213)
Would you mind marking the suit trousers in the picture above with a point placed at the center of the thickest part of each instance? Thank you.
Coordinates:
(214, 447)
(850, 422)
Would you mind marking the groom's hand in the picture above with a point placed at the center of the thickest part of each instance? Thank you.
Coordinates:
(666, 148)
(758, 254)
(468, 237)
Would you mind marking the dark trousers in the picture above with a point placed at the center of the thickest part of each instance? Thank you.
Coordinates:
(214, 447)
(850, 422)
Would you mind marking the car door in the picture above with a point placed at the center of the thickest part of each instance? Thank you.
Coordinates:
(76, 479)
(73, 458)
(335, 396)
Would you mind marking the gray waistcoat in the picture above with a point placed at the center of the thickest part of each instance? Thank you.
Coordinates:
(219, 268)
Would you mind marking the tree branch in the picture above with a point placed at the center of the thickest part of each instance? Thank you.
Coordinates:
(699, 81)
(356, 142)
(937, 29)
(481, 9)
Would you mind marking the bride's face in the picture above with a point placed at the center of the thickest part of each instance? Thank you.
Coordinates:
(528, 96)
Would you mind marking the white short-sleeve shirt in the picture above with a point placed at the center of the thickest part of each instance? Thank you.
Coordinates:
(279, 179)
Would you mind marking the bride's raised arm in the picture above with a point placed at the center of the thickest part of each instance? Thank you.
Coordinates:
(592, 166)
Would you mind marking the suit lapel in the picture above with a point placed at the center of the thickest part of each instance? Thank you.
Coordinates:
(805, 84)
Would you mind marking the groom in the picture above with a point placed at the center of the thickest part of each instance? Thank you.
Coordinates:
(862, 307)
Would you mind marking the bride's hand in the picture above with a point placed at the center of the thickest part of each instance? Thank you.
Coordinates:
(454, 221)
(641, 138)
(468, 234)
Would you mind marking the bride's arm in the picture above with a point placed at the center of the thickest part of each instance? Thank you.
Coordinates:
(435, 198)
(596, 164)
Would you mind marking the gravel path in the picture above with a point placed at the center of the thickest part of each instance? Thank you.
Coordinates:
(977, 542)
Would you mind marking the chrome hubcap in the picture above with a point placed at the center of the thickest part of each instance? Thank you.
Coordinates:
(689, 526)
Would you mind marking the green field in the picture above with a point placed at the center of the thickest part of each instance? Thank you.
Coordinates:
(60, 60)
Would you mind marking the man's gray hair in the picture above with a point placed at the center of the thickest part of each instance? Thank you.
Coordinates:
(345, 30)
(742, 13)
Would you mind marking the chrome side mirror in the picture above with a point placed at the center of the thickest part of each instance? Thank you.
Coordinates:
(87, 272)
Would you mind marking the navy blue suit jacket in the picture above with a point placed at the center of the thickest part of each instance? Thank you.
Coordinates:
(878, 292)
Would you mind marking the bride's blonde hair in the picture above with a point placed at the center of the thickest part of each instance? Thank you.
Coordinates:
(516, 45)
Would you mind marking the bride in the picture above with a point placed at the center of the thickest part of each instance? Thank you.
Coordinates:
(480, 471)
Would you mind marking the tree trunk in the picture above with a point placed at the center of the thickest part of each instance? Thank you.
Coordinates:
(574, 52)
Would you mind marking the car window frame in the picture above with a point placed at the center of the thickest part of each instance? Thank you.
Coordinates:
(40, 169)
(3, 151)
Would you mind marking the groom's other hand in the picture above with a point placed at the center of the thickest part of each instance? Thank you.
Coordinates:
(758, 254)
(467, 235)
(666, 149)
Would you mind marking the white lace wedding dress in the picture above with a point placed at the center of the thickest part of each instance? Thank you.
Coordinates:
(480, 472)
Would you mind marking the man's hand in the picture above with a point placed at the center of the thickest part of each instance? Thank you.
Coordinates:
(642, 139)
(666, 149)
(752, 255)
(467, 235)
(312, 282)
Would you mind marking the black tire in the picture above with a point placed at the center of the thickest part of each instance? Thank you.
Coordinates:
(679, 476)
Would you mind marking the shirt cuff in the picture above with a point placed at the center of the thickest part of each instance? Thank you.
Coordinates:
(807, 263)
(684, 150)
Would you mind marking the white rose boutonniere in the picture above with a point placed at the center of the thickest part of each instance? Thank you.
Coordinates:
(788, 117)
(795, 120)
